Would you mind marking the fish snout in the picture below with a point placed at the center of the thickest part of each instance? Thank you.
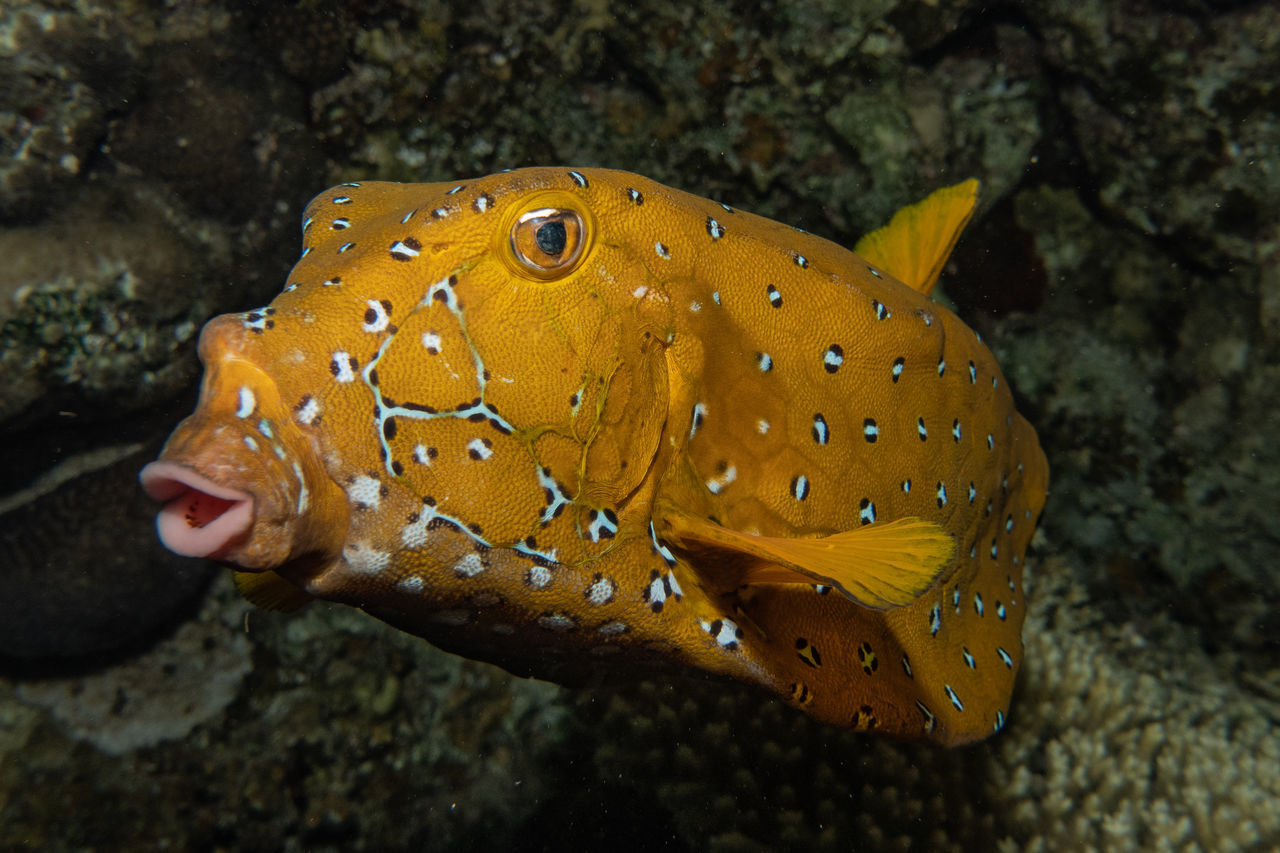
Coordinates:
(242, 484)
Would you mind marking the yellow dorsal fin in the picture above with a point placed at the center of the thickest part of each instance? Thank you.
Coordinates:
(919, 239)
(878, 566)
(269, 591)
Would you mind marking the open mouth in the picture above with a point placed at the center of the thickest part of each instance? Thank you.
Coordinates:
(199, 518)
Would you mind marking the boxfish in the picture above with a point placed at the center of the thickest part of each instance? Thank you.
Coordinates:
(579, 424)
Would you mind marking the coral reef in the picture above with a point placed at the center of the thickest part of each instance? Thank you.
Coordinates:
(62, 72)
(1130, 737)
(345, 735)
(99, 330)
(1118, 740)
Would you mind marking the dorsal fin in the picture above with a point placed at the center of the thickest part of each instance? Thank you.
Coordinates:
(878, 566)
(919, 239)
(269, 591)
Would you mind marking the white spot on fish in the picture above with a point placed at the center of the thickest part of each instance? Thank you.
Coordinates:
(601, 591)
(930, 721)
(539, 577)
(603, 525)
(304, 495)
(341, 367)
(365, 491)
(376, 318)
(725, 632)
(478, 449)
(800, 487)
(247, 402)
(699, 412)
(611, 629)
(717, 483)
(365, 560)
(250, 443)
(403, 251)
(640, 291)
(414, 534)
(556, 498)
(833, 358)
(412, 585)
(469, 566)
(762, 427)
(431, 342)
(663, 251)
(661, 588)
(557, 622)
(306, 414)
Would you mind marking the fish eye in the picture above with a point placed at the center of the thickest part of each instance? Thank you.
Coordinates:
(548, 240)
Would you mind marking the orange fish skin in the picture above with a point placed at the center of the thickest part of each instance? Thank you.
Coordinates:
(487, 448)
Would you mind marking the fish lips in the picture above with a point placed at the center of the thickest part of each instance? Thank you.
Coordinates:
(200, 518)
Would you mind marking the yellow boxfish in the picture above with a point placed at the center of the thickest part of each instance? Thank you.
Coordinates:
(564, 420)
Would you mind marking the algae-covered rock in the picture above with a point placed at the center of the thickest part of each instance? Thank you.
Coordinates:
(99, 302)
(63, 73)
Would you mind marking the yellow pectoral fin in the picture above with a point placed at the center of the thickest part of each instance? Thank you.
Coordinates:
(269, 591)
(878, 566)
(919, 239)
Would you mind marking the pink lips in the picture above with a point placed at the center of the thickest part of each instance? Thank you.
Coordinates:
(200, 518)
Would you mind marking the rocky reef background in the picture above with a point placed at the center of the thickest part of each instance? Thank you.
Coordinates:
(1125, 266)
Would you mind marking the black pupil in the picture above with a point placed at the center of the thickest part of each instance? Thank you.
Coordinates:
(551, 237)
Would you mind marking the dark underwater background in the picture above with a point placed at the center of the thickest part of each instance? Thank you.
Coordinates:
(1124, 265)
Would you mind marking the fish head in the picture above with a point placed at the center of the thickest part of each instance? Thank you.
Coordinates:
(241, 482)
(485, 359)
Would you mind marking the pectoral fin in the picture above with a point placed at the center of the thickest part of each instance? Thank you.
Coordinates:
(878, 566)
(919, 239)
